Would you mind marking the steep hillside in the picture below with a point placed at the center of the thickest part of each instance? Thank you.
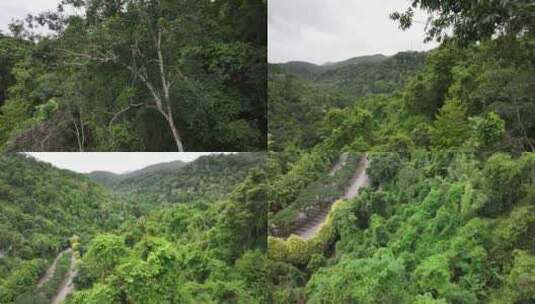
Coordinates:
(104, 177)
(41, 207)
(372, 75)
(187, 253)
(298, 68)
(211, 250)
(161, 168)
(431, 228)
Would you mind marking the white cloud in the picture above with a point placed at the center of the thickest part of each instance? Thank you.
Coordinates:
(319, 31)
(18, 9)
(111, 162)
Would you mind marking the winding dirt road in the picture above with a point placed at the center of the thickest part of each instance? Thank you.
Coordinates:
(52, 269)
(359, 180)
(67, 285)
(339, 163)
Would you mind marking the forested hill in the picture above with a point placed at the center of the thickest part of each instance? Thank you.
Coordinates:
(202, 252)
(372, 75)
(300, 94)
(209, 177)
(474, 92)
(466, 98)
(95, 83)
(307, 69)
(110, 179)
(207, 251)
(41, 207)
(348, 74)
(440, 227)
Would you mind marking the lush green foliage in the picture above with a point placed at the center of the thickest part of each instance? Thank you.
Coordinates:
(322, 191)
(435, 228)
(11, 52)
(472, 21)
(469, 96)
(208, 178)
(473, 99)
(209, 248)
(40, 208)
(286, 185)
(191, 253)
(299, 100)
(137, 75)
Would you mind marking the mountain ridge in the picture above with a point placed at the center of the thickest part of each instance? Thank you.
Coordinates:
(209, 176)
(354, 59)
(305, 68)
(107, 177)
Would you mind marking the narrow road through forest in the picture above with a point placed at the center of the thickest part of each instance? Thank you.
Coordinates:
(359, 180)
(339, 163)
(66, 286)
(52, 269)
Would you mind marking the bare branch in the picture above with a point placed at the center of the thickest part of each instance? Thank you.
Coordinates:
(137, 105)
(165, 84)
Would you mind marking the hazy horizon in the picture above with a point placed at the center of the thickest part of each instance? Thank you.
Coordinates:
(114, 162)
(19, 10)
(311, 31)
(331, 62)
(13, 10)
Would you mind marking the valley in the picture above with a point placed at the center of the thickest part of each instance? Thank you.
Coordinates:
(103, 239)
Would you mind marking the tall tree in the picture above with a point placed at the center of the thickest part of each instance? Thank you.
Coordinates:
(472, 20)
(142, 37)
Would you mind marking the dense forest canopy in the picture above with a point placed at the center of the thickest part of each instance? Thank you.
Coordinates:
(474, 92)
(433, 227)
(449, 215)
(136, 75)
(205, 247)
(206, 178)
(301, 94)
(41, 207)
(191, 253)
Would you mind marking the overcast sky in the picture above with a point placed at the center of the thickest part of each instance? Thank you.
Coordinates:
(111, 162)
(319, 31)
(19, 9)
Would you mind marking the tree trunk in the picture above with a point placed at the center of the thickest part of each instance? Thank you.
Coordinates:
(176, 135)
